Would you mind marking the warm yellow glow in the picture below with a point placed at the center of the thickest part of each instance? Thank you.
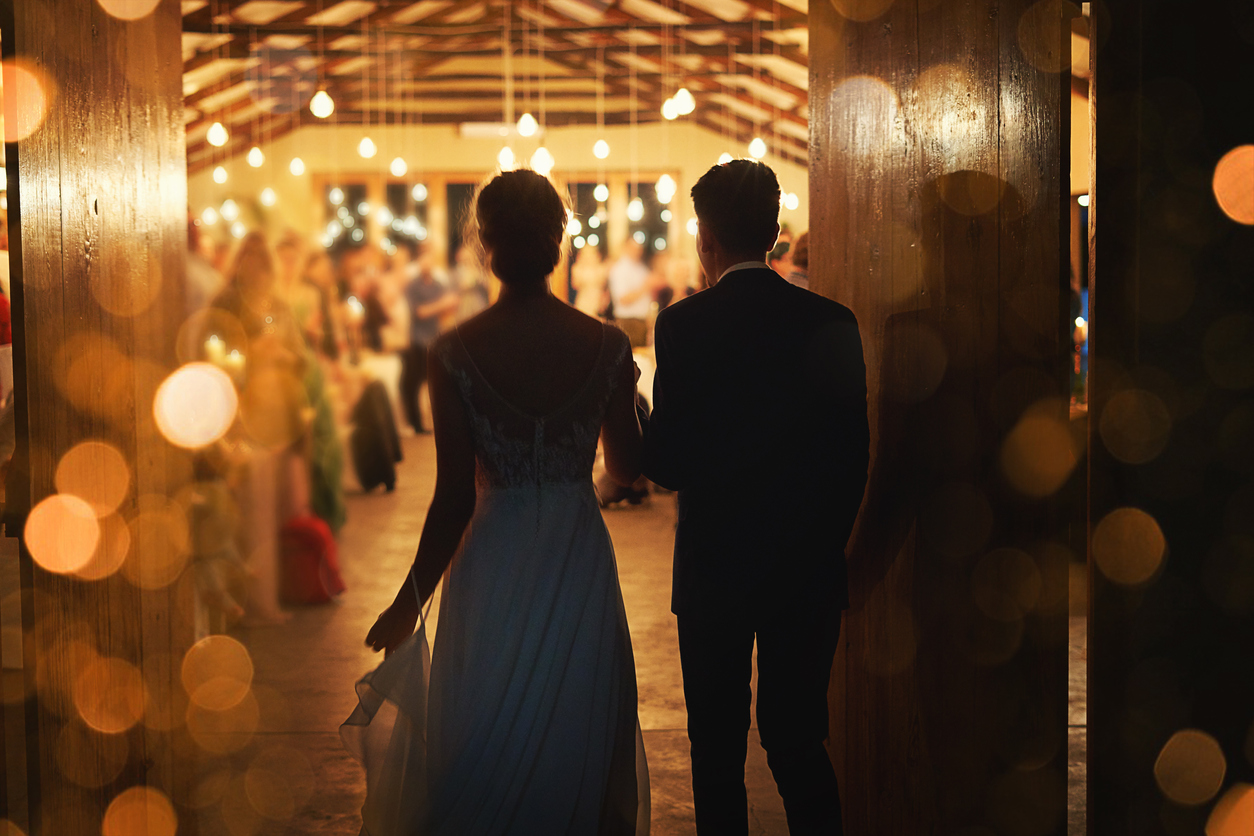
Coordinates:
(210, 216)
(278, 782)
(542, 161)
(226, 731)
(861, 11)
(62, 533)
(111, 550)
(1038, 455)
(1135, 426)
(1233, 815)
(724, 158)
(692, 226)
(160, 543)
(110, 695)
(791, 201)
(95, 472)
(217, 672)
(195, 405)
(230, 210)
(573, 226)
(398, 167)
(684, 102)
(601, 192)
(867, 108)
(255, 157)
(757, 148)
(336, 196)
(217, 135)
(505, 158)
(296, 166)
(1190, 768)
(366, 148)
(128, 9)
(601, 149)
(140, 811)
(268, 197)
(1234, 184)
(1083, 200)
(665, 189)
(635, 209)
(322, 105)
(419, 192)
(1128, 546)
(670, 110)
(27, 94)
(238, 230)
(88, 758)
(219, 175)
(527, 125)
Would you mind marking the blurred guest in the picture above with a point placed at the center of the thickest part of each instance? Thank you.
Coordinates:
(470, 282)
(800, 272)
(587, 276)
(629, 292)
(320, 322)
(780, 259)
(376, 315)
(660, 287)
(204, 282)
(290, 253)
(429, 300)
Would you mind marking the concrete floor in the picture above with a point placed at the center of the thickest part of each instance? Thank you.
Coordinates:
(305, 670)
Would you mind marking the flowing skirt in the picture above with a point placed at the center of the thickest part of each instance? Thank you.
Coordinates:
(523, 718)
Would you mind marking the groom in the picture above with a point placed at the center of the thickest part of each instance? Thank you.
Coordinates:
(759, 422)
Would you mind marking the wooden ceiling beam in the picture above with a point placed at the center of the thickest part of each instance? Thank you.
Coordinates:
(434, 28)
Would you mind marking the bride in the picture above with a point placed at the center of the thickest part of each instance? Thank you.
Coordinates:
(522, 719)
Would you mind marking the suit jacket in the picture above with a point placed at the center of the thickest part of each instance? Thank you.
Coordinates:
(759, 422)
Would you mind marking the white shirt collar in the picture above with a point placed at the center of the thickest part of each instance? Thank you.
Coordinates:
(744, 265)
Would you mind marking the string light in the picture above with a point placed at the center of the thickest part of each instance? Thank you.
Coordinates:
(724, 158)
(230, 210)
(336, 196)
(684, 102)
(665, 188)
(669, 109)
(366, 148)
(601, 149)
(268, 197)
(542, 161)
(219, 175)
(322, 105)
(527, 125)
(255, 157)
(419, 192)
(398, 167)
(217, 135)
(757, 148)
(601, 192)
(210, 216)
(505, 158)
(297, 166)
(635, 209)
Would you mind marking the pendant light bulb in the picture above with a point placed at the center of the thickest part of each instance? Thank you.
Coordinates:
(665, 189)
(268, 197)
(601, 150)
(336, 196)
(322, 105)
(724, 158)
(229, 210)
(210, 216)
(527, 125)
(635, 209)
(505, 158)
(670, 110)
(297, 166)
(217, 135)
(684, 102)
(255, 157)
(542, 161)
(366, 148)
(219, 175)
(419, 192)
(757, 148)
(601, 192)
(398, 167)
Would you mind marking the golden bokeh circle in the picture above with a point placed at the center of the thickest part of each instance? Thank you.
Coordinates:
(1128, 546)
(1233, 184)
(140, 811)
(279, 782)
(1038, 455)
(88, 758)
(110, 695)
(970, 192)
(27, 98)
(95, 472)
(1233, 814)
(222, 732)
(62, 533)
(195, 405)
(196, 338)
(1135, 426)
(1190, 767)
(128, 278)
(111, 550)
(10, 828)
(861, 11)
(217, 672)
(128, 9)
(160, 544)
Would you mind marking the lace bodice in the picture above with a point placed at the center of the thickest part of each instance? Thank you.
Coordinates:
(513, 449)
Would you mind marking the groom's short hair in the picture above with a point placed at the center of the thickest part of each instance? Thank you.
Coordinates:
(738, 202)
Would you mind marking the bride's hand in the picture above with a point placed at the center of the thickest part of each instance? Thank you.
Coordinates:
(391, 628)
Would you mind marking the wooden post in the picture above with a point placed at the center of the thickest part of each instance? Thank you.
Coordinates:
(938, 214)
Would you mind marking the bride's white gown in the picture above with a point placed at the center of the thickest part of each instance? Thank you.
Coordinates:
(523, 718)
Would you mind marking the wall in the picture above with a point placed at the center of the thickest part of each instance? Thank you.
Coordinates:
(938, 207)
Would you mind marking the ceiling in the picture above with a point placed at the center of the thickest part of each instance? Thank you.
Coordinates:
(254, 64)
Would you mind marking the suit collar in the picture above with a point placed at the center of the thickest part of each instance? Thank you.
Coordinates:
(751, 274)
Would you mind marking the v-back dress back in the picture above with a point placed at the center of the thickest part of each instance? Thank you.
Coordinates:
(528, 722)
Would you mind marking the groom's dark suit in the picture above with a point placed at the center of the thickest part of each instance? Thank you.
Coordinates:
(759, 421)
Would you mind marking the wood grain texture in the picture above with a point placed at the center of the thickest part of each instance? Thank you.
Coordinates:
(103, 244)
(937, 214)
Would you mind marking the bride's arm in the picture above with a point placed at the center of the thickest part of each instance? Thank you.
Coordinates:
(450, 511)
(620, 432)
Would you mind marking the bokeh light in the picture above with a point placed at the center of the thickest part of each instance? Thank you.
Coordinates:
(96, 376)
(278, 783)
(222, 732)
(27, 96)
(1135, 426)
(970, 192)
(8, 828)
(217, 672)
(1190, 767)
(861, 11)
(160, 543)
(1128, 546)
(140, 811)
(1233, 815)
(865, 110)
(1038, 455)
(195, 406)
(271, 407)
(1006, 584)
(128, 279)
(62, 533)
(110, 695)
(1044, 34)
(88, 758)
(111, 549)
(128, 9)
(95, 472)
(1233, 184)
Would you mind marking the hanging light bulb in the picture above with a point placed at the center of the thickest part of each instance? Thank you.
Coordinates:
(791, 201)
(542, 161)
(336, 196)
(398, 167)
(363, 208)
(366, 148)
(505, 158)
(255, 157)
(724, 158)
(692, 226)
(601, 150)
(419, 192)
(527, 125)
(217, 135)
(210, 216)
(684, 102)
(238, 230)
(268, 197)
(322, 105)
(297, 166)
(230, 210)
(757, 148)
(384, 216)
(635, 209)
(665, 188)
(219, 175)
(573, 227)
(601, 192)
(670, 110)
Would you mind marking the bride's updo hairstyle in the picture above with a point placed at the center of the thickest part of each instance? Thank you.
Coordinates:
(521, 221)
